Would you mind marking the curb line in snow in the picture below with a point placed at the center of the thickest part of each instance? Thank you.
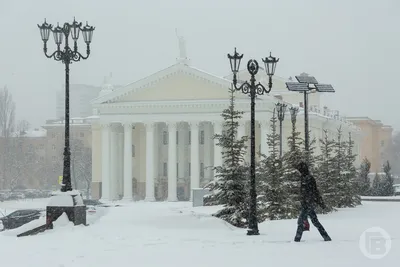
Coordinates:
(380, 199)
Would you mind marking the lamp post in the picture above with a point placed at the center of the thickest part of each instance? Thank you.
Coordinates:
(252, 89)
(293, 117)
(67, 201)
(281, 110)
(66, 55)
(306, 85)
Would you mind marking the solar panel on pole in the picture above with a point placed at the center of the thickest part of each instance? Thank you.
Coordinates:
(306, 79)
(324, 88)
(297, 87)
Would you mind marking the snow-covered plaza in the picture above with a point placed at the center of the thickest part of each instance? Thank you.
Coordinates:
(176, 234)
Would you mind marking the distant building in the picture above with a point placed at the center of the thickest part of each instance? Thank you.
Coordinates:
(21, 158)
(153, 138)
(376, 141)
(80, 97)
(80, 129)
(34, 159)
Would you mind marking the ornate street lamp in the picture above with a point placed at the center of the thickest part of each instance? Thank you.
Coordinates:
(73, 207)
(281, 110)
(66, 55)
(293, 116)
(252, 89)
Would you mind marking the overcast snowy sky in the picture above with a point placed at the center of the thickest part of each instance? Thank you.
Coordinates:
(352, 44)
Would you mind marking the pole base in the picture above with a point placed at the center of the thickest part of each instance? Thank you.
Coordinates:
(253, 232)
(70, 203)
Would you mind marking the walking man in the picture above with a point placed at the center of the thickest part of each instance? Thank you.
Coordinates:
(310, 198)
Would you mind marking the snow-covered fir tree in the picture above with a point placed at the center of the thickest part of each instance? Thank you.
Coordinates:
(230, 185)
(290, 159)
(325, 173)
(274, 200)
(387, 182)
(339, 163)
(363, 179)
(351, 196)
(376, 186)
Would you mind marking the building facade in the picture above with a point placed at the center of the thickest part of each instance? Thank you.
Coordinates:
(152, 139)
(376, 141)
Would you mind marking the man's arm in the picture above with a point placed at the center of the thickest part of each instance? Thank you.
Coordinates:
(318, 196)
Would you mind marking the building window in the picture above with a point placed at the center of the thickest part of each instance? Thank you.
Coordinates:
(190, 137)
(54, 147)
(189, 169)
(201, 137)
(165, 137)
(133, 151)
(165, 169)
(81, 134)
(301, 104)
(201, 170)
(259, 148)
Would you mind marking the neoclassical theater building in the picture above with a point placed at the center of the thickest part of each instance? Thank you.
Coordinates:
(152, 139)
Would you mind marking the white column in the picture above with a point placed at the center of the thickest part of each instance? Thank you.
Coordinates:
(208, 143)
(114, 165)
(194, 157)
(172, 159)
(120, 164)
(150, 164)
(105, 162)
(128, 161)
(217, 149)
(182, 148)
(264, 129)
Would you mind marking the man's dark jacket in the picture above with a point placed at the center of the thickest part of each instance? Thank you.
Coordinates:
(310, 196)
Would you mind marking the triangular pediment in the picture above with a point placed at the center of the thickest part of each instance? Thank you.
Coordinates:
(179, 82)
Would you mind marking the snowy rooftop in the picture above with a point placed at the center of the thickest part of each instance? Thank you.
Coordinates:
(32, 133)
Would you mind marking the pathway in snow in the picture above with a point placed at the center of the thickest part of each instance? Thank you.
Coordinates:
(175, 234)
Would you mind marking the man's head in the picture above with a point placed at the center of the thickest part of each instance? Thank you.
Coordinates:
(302, 167)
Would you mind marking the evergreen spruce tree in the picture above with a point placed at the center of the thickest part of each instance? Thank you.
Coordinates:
(275, 202)
(387, 183)
(326, 172)
(376, 186)
(230, 186)
(291, 175)
(363, 180)
(351, 197)
(339, 164)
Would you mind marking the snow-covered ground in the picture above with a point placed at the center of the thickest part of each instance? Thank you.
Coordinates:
(176, 234)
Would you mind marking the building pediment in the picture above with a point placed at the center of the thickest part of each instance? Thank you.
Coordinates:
(178, 82)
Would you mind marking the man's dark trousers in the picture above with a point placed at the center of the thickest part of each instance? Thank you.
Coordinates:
(305, 212)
